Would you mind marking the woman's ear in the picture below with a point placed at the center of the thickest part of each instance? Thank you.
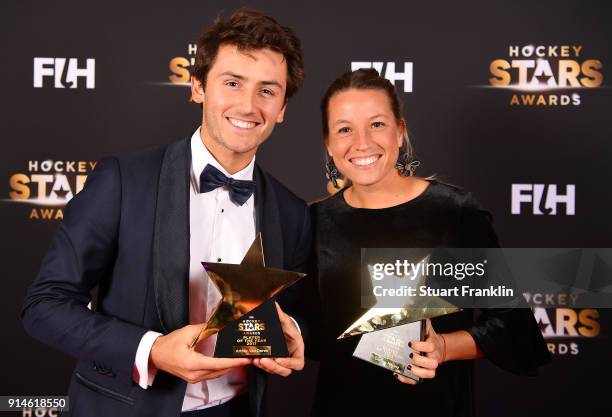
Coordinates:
(327, 149)
(403, 132)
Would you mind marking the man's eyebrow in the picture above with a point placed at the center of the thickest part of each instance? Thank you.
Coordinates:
(276, 83)
(242, 77)
(233, 75)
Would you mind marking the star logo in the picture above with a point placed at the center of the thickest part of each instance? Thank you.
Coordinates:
(244, 287)
(543, 326)
(543, 79)
(61, 193)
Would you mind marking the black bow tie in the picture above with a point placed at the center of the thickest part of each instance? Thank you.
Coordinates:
(240, 190)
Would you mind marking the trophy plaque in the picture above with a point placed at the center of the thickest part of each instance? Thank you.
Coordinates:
(256, 334)
(388, 348)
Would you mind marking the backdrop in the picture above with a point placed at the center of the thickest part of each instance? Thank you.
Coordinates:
(507, 99)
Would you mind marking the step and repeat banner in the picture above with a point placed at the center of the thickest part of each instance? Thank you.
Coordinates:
(510, 100)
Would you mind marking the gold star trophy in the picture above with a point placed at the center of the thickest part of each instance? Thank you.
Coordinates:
(385, 332)
(245, 318)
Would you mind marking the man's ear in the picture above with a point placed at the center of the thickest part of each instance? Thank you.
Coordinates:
(197, 90)
(281, 116)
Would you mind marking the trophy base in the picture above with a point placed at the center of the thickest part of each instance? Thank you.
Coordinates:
(256, 334)
(388, 348)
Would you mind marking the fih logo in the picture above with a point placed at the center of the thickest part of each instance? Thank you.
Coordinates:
(563, 326)
(48, 186)
(544, 198)
(65, 72)
(180, 67)
(388, 69)
(539, 72)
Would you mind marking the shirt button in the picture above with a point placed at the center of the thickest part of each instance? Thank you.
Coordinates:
(222, 210)
(218, 259)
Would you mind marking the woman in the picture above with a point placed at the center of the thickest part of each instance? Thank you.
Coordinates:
(386, 206)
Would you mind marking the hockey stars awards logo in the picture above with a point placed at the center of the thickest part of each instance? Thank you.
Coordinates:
(545, 75)
(46, 186)
(180, 68)
(563, 325)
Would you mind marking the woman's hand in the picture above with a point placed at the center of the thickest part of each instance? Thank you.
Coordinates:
(428, 355)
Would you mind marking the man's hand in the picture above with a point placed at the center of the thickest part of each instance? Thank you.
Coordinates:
(295, 346)
(173, 353)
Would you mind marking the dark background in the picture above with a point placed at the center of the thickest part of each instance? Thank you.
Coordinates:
(466, 134)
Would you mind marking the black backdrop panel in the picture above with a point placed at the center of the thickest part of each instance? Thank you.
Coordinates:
(464, 129)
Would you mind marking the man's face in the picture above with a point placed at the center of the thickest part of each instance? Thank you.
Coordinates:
(244, 98)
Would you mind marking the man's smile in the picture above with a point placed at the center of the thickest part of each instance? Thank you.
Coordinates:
(242, 124)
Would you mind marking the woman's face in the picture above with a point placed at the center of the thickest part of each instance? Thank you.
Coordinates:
(364, 136)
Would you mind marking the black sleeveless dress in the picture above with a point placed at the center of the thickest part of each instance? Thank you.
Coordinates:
(442, 216)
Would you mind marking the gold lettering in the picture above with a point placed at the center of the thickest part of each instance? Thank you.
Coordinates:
(20, 190)
(498, 71)
(593, 77)
(565, 51)
(569, 71)
(528, 99)
(590, 326)
(522, 66)
(179, 67)
(42, 180)
(80, 182)
(566, 322)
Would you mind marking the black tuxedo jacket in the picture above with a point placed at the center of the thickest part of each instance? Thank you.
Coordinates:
(127, 233)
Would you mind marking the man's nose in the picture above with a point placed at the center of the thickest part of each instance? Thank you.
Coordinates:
(246, 104)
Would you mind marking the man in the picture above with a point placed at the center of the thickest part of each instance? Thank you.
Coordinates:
(142, 225)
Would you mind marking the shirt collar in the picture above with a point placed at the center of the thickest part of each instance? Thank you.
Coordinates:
(201, 156)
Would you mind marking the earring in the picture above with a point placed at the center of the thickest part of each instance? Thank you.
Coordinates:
(406, 165)
(331, 172)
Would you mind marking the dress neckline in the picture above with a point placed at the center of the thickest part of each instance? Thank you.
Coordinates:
(419, 197)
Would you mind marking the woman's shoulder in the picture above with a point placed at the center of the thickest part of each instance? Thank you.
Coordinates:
(475, 227)
(325, 203)
(451, 196)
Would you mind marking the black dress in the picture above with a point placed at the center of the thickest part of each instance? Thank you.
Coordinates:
(442, 216)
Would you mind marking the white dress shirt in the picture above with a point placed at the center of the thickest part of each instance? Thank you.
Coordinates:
(220, 231)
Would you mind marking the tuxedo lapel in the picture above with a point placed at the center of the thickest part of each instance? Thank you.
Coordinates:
(171, 238)
(267, 219)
